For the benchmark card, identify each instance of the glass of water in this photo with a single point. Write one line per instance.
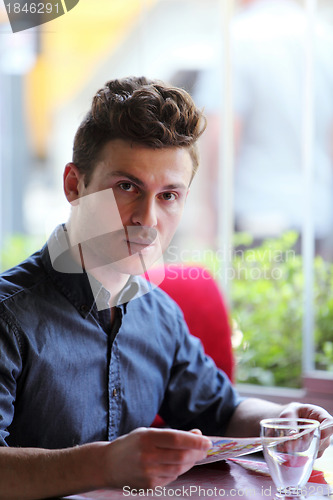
(290, 448)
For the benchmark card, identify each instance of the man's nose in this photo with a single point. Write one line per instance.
(145, 212)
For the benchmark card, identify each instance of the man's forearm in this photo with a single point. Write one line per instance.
(245, 420)
(32, 473)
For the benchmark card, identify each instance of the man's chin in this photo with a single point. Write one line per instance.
(136, 264)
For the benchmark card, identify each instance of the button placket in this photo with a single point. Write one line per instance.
(114, 393)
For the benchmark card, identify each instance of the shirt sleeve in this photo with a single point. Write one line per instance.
(10, 368)
(198, 394)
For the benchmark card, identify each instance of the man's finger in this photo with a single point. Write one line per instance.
(180, 440)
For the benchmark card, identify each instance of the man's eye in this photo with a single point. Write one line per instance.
(126, 186)
(169, 196)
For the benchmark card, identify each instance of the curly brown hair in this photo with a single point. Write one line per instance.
(138, 110)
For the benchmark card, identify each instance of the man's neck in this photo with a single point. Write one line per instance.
(111, 279)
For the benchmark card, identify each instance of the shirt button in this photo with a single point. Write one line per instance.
(84, 308)
(114, 393)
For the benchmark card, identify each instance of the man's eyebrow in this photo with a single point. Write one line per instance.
(139, 182)
(131, 177)
(170, 187)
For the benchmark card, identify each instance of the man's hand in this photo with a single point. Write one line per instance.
(245, 420)
(147, 457)
(300, 410)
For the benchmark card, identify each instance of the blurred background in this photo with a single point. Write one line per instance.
(260, 212)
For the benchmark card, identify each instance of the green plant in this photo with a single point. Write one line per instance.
(323, 334)
(268, 305)
(267, 297)
(16, 248)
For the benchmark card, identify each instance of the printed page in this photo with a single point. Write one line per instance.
(224, 448)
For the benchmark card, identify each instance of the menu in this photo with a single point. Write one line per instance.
(224, 448)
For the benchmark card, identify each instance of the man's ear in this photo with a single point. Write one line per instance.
(72, 178)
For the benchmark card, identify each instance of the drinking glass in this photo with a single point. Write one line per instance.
(290, 447)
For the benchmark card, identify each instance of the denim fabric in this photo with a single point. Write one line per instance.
(67, 377)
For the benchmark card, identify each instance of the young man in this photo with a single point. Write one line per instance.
(89, 353)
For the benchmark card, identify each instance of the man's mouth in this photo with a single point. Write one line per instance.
(135, 246)
(135, 242)
(143, 243)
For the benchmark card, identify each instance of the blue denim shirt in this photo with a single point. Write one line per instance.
(67, 377)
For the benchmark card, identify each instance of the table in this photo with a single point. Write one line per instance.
(225, 479)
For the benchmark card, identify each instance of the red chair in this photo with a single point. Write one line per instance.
(197, 294)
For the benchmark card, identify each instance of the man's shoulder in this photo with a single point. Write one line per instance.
(22, 277)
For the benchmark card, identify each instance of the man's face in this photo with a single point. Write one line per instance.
(130, 210)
